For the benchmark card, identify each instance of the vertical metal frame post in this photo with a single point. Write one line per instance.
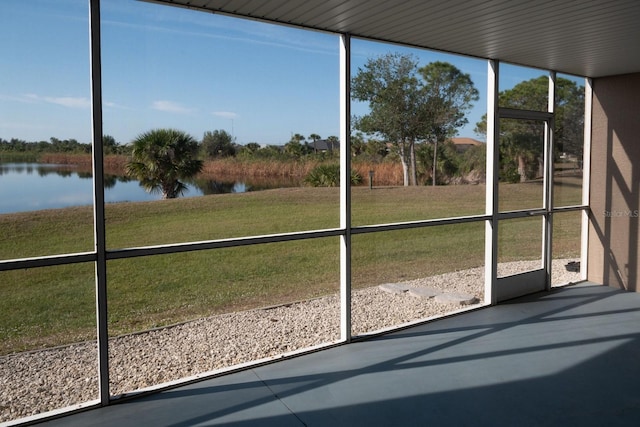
(98, 202)
(586, 178)
(345, 187)
(547, 229)
(491, 197)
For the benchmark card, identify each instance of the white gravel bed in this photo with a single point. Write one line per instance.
(39, 381)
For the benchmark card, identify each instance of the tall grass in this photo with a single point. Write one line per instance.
(113, 164)
(17, 157)
(385, 173)
(232, 167)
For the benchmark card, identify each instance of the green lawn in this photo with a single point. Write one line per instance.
(55, 305)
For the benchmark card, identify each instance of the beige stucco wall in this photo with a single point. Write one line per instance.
(615, 182)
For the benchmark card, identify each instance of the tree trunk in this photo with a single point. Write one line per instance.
(522, 168)
(412, 159)
(405, 166)
(540, 167)
(435, 162)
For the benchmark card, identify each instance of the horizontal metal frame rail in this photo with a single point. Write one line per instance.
(513, 113)
(53, 260)
(47, 261)
(74, 258)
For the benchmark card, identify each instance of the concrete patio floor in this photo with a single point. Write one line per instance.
(569, 357)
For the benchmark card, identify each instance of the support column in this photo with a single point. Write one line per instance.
(586, 178)
(98, 202)
(491, 202)
(547, 236)
(345, 187)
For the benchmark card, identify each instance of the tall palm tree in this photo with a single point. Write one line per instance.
(162, 158)
(314, 137)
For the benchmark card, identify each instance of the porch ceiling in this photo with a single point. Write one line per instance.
(591, 38)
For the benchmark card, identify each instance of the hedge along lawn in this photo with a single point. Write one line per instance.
(55, 305)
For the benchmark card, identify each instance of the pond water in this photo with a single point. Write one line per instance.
(35, 186)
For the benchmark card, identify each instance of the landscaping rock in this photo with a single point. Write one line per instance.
(456, 297)
(394, 288)
(424, 292)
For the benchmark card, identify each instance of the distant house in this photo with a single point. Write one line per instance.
(463, 144)
(325, 145)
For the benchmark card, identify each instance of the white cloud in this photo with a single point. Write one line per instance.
(65, 101)
(225, 114)
(170, 107)
(110, 104)
(68, 101)
(30, 97)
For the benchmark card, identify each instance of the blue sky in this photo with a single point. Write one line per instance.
(169, 67)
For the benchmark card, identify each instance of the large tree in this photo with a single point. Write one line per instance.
(449, 94)
(161, 159)
(391, 87)
(218, 143)
(408, 104)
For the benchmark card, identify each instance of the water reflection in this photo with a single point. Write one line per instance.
(35, 186)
